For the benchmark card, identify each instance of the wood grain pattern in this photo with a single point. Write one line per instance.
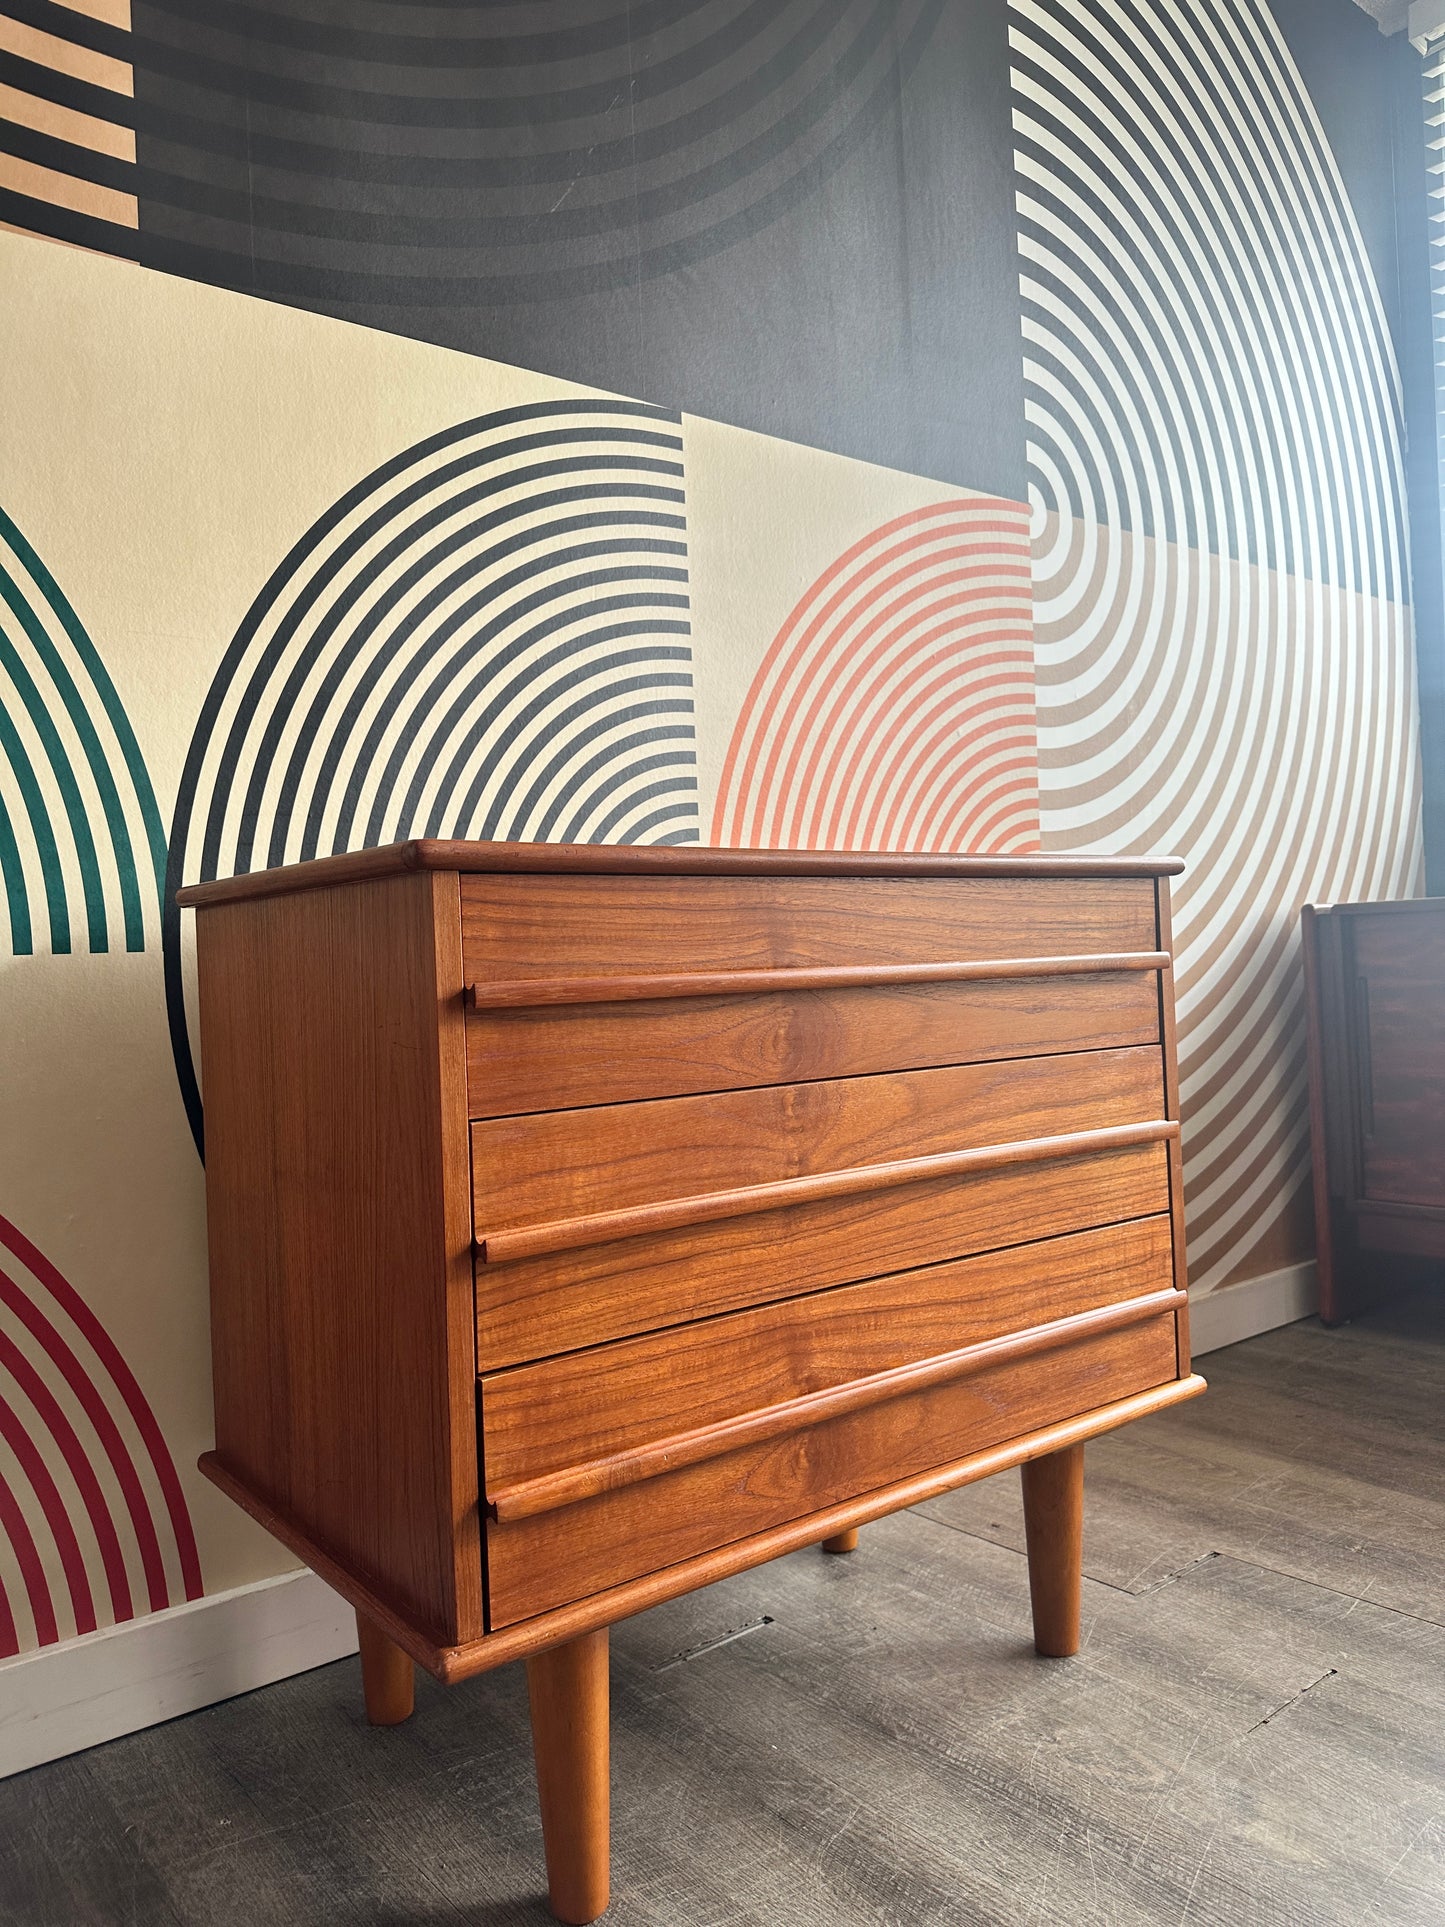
(1400, 969)
(533, 994)
(554, 1490)
(540, 1564)
(591, 859)
(388, 1675)
(370, 1335)
(570, 1055)
(516, 928)
(567, 1688)
(342, 1310)
(1164, 937)
(452, 1664)
(1331, 1279)
(1053, 1494)
(558, 1302)
(547, 1166)
(592, 1405)
(1376, 1027)
(1418, 1232)
(708, 1207)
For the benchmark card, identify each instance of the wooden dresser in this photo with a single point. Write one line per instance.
(1375, 997)
(589, 1223)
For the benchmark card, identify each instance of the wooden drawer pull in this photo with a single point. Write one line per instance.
(565, 1487)
(637, 1221)
(742, 983)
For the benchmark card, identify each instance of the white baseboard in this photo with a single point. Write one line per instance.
(65, 1698)
(1230, 1313)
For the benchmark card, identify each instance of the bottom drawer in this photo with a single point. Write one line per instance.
(551, 1558)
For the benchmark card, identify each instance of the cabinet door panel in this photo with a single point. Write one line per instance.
(1400, 1044)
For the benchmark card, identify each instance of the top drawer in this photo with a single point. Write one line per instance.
(597, 990)
(549, 927)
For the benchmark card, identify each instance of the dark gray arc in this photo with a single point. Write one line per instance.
(377, 612)
(579, 712)
(1326, 540)
(532, 108)
(521, 754)
(371, 527)
(381, 608)
(442, 679)
(602, 435)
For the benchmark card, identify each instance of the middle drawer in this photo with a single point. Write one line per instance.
(550, 1166)
(590, 1420)
(552, 1275)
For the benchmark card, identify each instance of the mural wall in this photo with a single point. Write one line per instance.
(829, 424)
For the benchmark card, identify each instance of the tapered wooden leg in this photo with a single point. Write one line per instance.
(1054, 1530)
(842, 1541)
(388, 1675)
(568, 1690)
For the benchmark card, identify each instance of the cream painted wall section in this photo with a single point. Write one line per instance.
(202, 433)
(164, 444)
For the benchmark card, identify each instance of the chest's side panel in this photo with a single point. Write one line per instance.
(336, 1185)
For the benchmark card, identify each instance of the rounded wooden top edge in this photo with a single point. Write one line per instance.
(1368, 906)
(604, 859)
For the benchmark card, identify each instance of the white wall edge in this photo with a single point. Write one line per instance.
(1230, 1313)
(64, 1698)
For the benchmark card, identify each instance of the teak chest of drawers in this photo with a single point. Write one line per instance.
(589, 1223)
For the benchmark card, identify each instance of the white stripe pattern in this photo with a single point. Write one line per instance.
(1223, 653)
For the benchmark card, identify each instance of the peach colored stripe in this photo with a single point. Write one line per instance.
(884, 758)
(890, 745)
(789, 729)
(968, 628)
(832, 702)
(67, 124)
(64, 57)
(767, 692)
(949, 737)
(734, 786)
(60, 190)
(828, 701)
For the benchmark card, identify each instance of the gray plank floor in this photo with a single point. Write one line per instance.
(1254, 1731)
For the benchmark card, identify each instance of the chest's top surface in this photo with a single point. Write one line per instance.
(595, 859)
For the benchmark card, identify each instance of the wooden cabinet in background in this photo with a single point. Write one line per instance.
(1375, 991)
(587, 1224)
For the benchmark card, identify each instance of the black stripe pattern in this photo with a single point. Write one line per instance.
(521, 153)
(487, 637)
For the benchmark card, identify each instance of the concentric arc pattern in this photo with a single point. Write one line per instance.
(894, 709)
(94, 1527)
(512, 155)
(488, 637)
(82, 845)
(1222, 647)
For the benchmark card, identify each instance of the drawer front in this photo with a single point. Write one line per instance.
(549, 1167)
(547, 928)
(533, 1307)
(641, 1396)
(562, 1055)
(551, 1558)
